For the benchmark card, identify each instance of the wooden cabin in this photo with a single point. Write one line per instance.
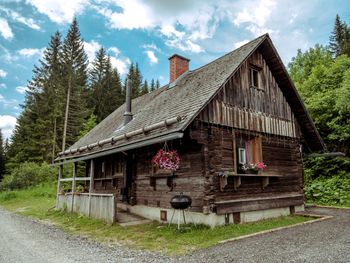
(240, 108)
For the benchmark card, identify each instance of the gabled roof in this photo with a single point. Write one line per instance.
(177, 104)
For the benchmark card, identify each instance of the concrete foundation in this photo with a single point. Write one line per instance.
(211, 219)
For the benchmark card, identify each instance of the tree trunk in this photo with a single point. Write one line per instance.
(66, 116)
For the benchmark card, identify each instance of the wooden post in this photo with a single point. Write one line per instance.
(92, 168)
(73, 184)
(58, 184)
(234, 155)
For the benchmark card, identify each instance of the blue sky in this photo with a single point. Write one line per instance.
(148, 32)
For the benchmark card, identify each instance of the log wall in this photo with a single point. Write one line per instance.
(281, 155)
(157, 189)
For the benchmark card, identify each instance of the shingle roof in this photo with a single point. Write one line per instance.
(185, 98)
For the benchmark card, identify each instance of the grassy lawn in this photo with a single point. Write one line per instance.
(39, 201)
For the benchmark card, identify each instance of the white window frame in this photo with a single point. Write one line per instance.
(242, 156)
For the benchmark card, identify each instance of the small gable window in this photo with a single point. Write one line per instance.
(254, 78)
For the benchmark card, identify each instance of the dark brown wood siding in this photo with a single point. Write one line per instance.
(262, 109)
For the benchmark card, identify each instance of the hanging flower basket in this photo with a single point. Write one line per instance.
(166, 160)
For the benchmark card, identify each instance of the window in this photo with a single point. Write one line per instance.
(117, 165)
(242, 156)
(249, 151)
(254, 78)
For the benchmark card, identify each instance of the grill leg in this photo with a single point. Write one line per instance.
(178, 220)
(183, 214)
(171, 220)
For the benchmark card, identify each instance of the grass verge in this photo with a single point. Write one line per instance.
(36, 203)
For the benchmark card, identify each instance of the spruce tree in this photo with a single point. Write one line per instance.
(157, 84)
(35, 136)
(153, 85)
(105, 86)
(339, 41)
(50, 101)
(144, 88)
(135, 76)
(75, 80)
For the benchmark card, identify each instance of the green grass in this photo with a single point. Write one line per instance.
(37, 203)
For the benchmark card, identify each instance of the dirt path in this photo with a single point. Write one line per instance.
(325, 241)
(25, 240)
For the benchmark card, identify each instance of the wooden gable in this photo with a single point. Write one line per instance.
(261, 108)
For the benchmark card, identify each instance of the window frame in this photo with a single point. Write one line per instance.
(252, 149)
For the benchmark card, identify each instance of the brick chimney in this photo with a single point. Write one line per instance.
(178, 66)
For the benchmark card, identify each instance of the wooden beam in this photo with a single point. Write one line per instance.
(92, 170)
(234, 152)
(76, 179)
(58, 184)
(73, 184)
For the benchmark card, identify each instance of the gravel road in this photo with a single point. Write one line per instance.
(25, 240)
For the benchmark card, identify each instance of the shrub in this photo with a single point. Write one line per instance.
(329, 191)
(28, 174)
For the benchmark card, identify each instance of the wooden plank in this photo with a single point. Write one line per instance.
(234, 152)
(235, 206)
(58, 184)
(76, 179)
(73, 184)
(92, 172)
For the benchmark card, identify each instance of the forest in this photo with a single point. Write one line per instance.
(67, 97)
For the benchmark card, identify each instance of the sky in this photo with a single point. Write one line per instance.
(149, 31)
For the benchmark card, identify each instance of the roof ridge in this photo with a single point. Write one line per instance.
(266, 35)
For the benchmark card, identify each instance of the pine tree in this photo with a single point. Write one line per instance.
(50, 101)
(135, 76)
(153, 85)
(339, 41)
(35, 136)
(105, 86)
(2, 157)
(157, 84)
(88, 125)
(75, 80)
(144, 88)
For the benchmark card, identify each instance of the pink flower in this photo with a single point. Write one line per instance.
(166, 160)
(260, 165)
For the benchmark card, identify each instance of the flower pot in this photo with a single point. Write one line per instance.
(251, 171)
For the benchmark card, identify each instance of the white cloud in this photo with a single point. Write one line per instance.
(7, 124)
(27, 21)
(240, 43)
(17, 17)
(135, 15)
(120, 64)
(151, 56)
(8, 103)
(91, 48)
(186, 45)
(256, 16)
(151, 46)
(114, 50)
(182, 24)
(60, 11)
(21, 89)
(3, 86)
(5, 29)
(30, 52)
(3, 73)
